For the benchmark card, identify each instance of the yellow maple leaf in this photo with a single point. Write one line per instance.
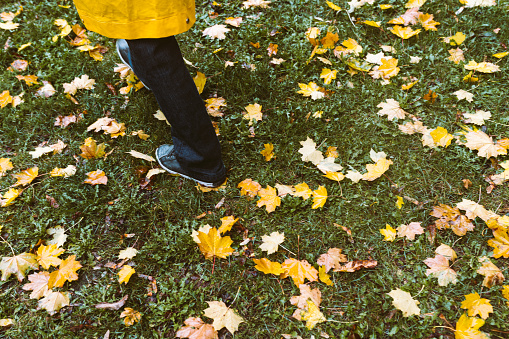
(385, 6)
(328, 75)
(125, 274)
(468, 328)
(456, 55)
(333, 6)
(28, 79)
(299, 270)
(409, 85)
(404, 32)
(223, 316)
(455, 40)
(372, 23)
(54, 301)
(312, 316)
(96, 178)
(213, 245)
(131, 316)
(414, 3)
(388, 232)
(470, 78)
(505, 293)
(199, 80)
(311, 34)
(311, 90)
(267, 152)
(389, 68)
(500, 243)
(268, 267)
(404, 302)
(249, 187)
(329, 40)
(269, 198)
(441, 137)
(319, 197)
(303, 190)
(323, 276)
(483, 67)
(376, 170)
(91, 150)
(27, 176)
(475, 305)
(9, 197)
(352, 46)
(427, 21)
(47, 256)
(227, 223)
(399, 202)
(500, 55)
(5, 165)
(19, 265)
(253, 112)
(336, 176)
(66, 272)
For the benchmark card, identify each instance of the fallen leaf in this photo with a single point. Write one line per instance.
(439, 268)
(500, 244)
(388, 232)
(468, 328)
(271, 242)
(47, 256)
(404, 302)
(312, 316)
(410, 230)
(216, 31)
(331, 259)
(356, 265)
(300, 270)
(249, 187)
(269, 198)
(253, 112)
(213, 245)
(267, 152)
(392, 109)
(319, 197)
(141, 156)
(196, 329)
(223, 316)
(66, 272)
(54, 301)
(492, 274)
(113, 306)
(19, 265)
(128, 253)
(96, 178)
(446, 251)
(38, 285)
(59, 236)
(125, 274)
(26, 177)
(475, 305)
(131, 316)
(268, 267)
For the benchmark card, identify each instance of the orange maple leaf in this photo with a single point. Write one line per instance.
(299, 270)
(269, 198)
(66, 272)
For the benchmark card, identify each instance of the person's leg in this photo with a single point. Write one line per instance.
(158, 63)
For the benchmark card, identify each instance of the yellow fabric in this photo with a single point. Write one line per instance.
(137, 19)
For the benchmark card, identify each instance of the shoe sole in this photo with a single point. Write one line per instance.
(203, 183)
(127, 64)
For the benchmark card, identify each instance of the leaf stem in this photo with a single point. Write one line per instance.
(286, 249)
(5, 241)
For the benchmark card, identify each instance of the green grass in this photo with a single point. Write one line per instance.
(163, 216)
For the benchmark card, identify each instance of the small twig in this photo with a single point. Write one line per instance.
(5, 241)
(286, 249)
(449, 328)
(392, 182)
(298, 247)
(213, 264)
(75, 224)
(349, 17)
(343, 322)
(480, 192)
(282, 290)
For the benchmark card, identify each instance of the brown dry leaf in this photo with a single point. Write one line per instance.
(356, 265)
(96, 178)
(19, 265)
(25, 177)
(439, 268)
(196, 329)
(113, 306)
(492, 274)
(331, 259)
(38, 285)
(272, 49)
(213, 245)
(300, 270)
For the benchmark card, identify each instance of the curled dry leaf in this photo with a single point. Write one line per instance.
(113, 306)
(356, 265)
(131, 316)
(96, 178)
(492, 274)
(26, 177)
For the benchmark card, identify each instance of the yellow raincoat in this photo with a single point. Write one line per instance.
(136, 19)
